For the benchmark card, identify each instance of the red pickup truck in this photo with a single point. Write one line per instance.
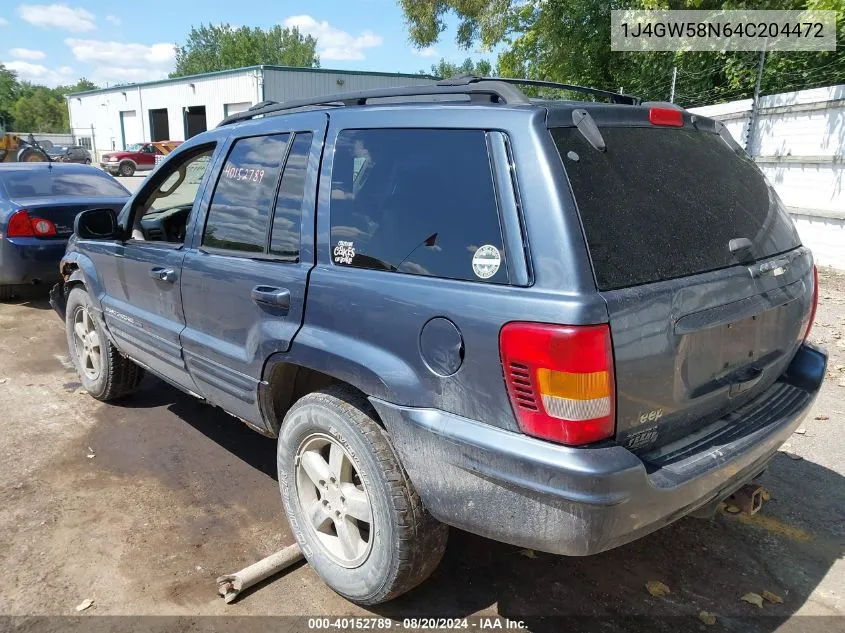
(136, 157)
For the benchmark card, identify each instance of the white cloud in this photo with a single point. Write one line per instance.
(58, 16)
(124, 62)
(37, 73)
(332, 43)
(26, 53)
(3, 21)
(125, 54)
(428, 51)
(113, 19)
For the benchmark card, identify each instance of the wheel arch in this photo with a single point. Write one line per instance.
(78, 270)
(285, 381)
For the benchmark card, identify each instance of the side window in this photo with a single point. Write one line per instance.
(163, 215)
(420, 202)
(239, 214)
(287, 219)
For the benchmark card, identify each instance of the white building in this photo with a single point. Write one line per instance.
(177, 109)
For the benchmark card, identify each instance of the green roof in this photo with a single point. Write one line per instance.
(233, 71)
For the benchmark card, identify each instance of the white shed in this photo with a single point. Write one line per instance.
(176, 109)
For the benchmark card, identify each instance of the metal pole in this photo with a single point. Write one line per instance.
(674, 78)
(94, 145)
(755, 103)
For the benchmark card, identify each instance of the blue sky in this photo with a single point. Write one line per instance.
(110, 42)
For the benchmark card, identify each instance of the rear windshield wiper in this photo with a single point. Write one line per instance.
(741, 247)
(588, 129)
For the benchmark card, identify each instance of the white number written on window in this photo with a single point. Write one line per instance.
(244, 174)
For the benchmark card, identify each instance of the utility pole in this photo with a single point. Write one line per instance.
(674, 78)
(755, 103)
(93, 145)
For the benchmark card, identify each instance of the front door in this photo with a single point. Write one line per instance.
(142, 305)
(147, 156)
(244, 279)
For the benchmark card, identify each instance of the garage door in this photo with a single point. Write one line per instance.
(130, 128)
(234, 108)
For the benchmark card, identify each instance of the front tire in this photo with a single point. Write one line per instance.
(354, 512)
(103, 371)
(127, 169)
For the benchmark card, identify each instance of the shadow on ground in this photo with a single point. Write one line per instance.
(708, 565)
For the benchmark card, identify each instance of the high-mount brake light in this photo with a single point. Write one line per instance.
(666, 116)
(560, 380)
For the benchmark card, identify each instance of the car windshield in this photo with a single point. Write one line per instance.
(57, 150)
(135, 147)
(53, 182)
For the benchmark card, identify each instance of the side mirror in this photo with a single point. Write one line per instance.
(96, 224)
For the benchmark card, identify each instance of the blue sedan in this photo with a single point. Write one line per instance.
(38, 204)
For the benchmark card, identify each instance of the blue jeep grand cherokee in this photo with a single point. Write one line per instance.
(558, 324)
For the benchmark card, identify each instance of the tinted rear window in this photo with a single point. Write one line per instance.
(416, 201)
(665, 203)
(36, 183)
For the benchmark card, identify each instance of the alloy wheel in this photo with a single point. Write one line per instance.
(333, 499)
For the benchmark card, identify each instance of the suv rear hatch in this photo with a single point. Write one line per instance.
(707, 286)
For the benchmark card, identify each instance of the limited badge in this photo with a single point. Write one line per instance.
(486, 261)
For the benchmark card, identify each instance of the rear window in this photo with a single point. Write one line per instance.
(419, 202)
(36, 183)
(665, 203)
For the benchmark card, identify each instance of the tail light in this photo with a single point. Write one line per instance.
(21, 224)
(812, 316)
(666, 116)
(560, 380)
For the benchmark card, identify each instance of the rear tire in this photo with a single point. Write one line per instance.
(398, 544)
(126, 169)
(103, 371)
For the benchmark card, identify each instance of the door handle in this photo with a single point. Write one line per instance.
(278, 297)
(163, 274)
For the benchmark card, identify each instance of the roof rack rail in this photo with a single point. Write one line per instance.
(489, 89)
(480, 89)
(615, 97)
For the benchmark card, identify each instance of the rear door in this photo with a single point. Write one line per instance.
(244, 279)
(707, 285)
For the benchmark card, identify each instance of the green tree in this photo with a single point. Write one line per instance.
(9, 87)
(40, 109)
(569, 41)
(83, 85)
(446, 69)
(221, 47)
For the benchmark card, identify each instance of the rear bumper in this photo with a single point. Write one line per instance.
(581, 501)
(26, 260)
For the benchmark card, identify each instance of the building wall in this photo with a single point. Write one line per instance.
(102, 109)
(285, 85)
(798, 140)
(221, 93)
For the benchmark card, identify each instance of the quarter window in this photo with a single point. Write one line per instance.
(420, 202)
(239, 214)
(287, 219)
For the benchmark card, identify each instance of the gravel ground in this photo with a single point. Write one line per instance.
(141, 505)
